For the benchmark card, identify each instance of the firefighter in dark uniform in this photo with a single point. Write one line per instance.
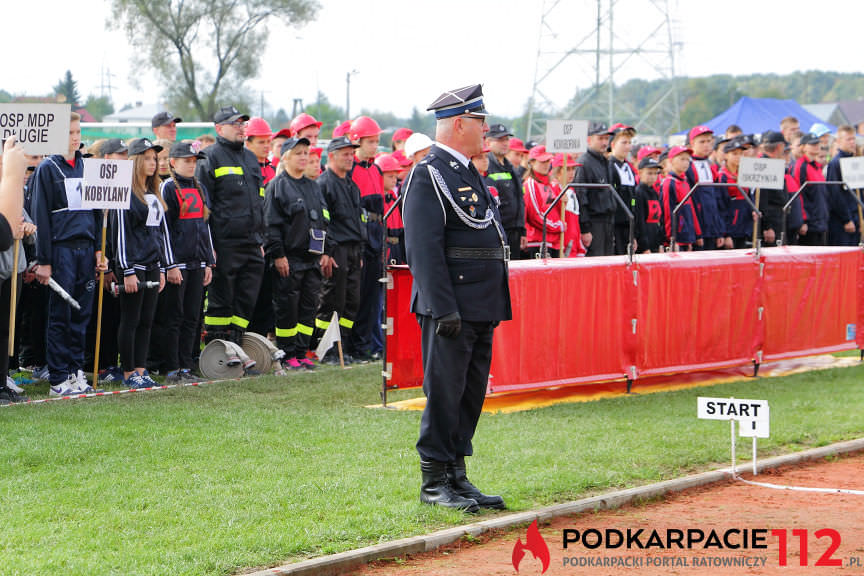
(296, 216)
(346, 234)
(456, 248)
(230, 172)
(508, 182)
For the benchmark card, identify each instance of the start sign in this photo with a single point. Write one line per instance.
(732, 409)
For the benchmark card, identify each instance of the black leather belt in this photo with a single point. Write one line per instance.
(496, 253)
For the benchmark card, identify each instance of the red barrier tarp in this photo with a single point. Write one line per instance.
(588, 320)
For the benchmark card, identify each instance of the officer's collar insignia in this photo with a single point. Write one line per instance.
(454, 164)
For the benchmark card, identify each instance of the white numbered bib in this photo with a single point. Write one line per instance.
(154, 210)
(74, 189)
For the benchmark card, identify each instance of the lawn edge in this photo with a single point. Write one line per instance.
(336, 564)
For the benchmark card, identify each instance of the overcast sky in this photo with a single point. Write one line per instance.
(406, 52)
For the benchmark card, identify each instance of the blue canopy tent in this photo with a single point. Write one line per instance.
(756, 115)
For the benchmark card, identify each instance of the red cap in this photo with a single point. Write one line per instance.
(647, 151)
(676, 150)
(342, 129)
(400, 157)
(387, 163)
(516, 145)
(315, 151)
(539, 153)
(698, 131)
(559, 161)
(284, 133)
(401, 135)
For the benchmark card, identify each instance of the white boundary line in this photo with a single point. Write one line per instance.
(801, 488)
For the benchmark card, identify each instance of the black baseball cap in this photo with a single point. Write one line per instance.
(340, 142)
(163, 118)
(141, 145)
(113, 146)
(772, 137)
(498, 131)
(809, 138)
(229, 114)
(595, 128)
(292, 143)
(186, 149)
(648, 162)
(737, 143)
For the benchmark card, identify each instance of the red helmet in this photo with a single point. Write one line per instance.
(342, 129)
(362, 127)
(258, 127)
(401, 134)
(400, 157)
(387, 163)
(302, 121)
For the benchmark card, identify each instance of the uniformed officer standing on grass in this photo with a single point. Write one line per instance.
(456, 249)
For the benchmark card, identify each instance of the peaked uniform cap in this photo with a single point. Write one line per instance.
(466, 100)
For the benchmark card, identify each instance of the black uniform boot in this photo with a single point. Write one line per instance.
(436, 488)
(460, 484)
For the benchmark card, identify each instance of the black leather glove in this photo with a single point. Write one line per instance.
(449, 326)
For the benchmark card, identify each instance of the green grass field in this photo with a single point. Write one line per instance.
(216, 479)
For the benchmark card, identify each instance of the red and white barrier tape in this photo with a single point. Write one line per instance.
(127, 391)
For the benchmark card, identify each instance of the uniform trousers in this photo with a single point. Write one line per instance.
(602, 236)
(177, 317)
(455, 377)
(234, 290)
(73, 265)
(295, 300)
(137, 312)
(341, 292)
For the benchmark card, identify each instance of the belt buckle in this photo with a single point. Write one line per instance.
(506, 253)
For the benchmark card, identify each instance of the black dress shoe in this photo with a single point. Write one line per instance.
(458, 479)
(436, 489)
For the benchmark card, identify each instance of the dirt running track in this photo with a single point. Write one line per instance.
(720, 507)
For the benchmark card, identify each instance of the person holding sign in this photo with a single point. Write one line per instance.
(539, 193)
(141, 246)
(65, 251)
(179, 309)
(773, 145)
(560, 176)
(296, 217)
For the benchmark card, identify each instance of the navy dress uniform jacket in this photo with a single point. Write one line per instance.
(476, 288)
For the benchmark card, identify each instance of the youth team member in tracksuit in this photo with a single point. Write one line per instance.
(186, 215)
(296, 219)
(139, 235)
(65, 251)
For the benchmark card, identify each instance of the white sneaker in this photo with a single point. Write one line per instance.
(10, 383)
(68, 387)
(81, 383)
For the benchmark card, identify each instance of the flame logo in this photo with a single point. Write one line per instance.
(535, 544)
